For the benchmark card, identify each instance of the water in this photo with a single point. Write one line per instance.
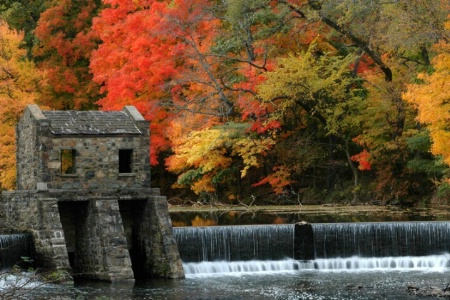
(282, 285)
(235, 243)
(13, 247)
(432, 263)
(381, 239)
(275, 242)
(244, 262)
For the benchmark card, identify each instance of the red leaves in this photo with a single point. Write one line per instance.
(363, 160)
(278, 180)
(65, 46)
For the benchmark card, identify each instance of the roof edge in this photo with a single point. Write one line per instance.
(132, 112)
(36, 112)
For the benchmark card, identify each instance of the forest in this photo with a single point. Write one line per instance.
(249, 102)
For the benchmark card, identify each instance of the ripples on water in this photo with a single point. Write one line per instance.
(349, 278)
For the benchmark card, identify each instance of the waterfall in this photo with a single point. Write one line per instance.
(323, 247)
(235, 243)
(437, 263)
(381, 239)
(13, 247)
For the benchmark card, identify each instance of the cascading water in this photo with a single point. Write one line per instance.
(235, 243)
(336, 247)
(381, 239)
(13, 247)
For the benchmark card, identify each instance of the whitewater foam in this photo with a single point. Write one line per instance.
(435, 263)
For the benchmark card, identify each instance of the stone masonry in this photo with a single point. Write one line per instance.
(83, 191)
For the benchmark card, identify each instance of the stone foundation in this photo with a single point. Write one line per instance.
(101, 235)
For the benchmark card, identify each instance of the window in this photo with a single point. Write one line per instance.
(68, 161)
(125, 160)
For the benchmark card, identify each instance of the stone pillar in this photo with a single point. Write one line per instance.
(303, 241)
(101, 246)
(161, 255)
(38, 214)
(48, 234)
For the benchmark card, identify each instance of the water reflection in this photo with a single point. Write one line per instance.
(211, 218)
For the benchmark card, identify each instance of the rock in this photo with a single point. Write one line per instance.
(432, 291)
(354, 287)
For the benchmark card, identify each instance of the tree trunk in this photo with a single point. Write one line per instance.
(355, 173)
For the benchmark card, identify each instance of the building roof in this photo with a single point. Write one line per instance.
(71, 122)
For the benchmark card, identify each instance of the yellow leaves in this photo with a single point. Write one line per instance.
(7, 157)
(19, 82)
(200, 158)
(202, 149)
(432, 100)
(320, 86)
(250, 150)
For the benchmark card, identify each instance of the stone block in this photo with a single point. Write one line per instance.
(41, 186)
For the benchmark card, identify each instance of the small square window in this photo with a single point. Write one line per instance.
(68, 161)
(125, 160)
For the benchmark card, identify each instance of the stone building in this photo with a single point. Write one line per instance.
(83, 191)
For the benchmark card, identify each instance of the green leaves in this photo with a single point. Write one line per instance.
(320, 88)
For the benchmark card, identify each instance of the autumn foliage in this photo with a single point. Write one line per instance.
(19, 86)
(432, 99)
(249, 99)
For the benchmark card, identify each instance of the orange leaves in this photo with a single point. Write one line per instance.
(433, 101)
(19, 86)
(7, 157)
(65, 45)
(199, 221)
(278, 180)
(152, 56)
(363, 160)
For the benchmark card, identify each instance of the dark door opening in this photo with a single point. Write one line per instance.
(73, 215)
(132, 213)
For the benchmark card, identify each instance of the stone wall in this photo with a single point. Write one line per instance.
(106, 232)
(97, 163)
(28, 139)
(37, 213)
(96, 156)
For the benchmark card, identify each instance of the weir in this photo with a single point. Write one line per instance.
(381, 239)
(342, 246)
(235, 243)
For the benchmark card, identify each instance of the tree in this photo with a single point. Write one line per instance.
(148, 44)
(63, 50)
(394, 38)
(23, 15)
(20, 84)
(230, 69)
(432, 99)
(210, 158)
(318, 91)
